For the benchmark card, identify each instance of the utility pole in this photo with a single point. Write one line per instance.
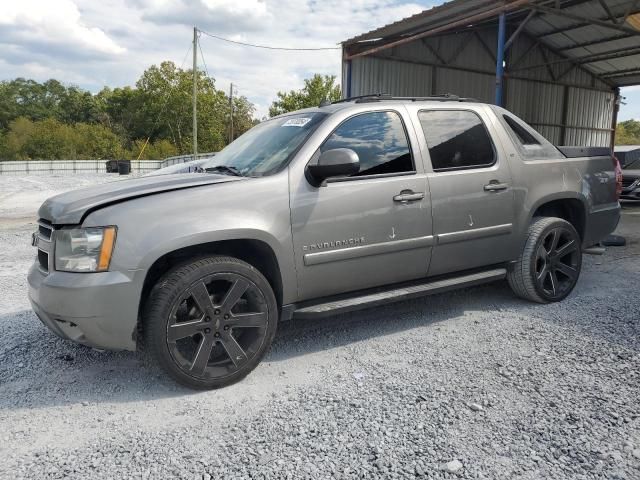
(195, 93)
(231, 113)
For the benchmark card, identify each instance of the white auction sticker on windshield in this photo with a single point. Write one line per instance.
(296, 122)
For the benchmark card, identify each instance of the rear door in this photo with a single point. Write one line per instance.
(471, 190)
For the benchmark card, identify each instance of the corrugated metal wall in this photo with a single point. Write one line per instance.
(465, 65)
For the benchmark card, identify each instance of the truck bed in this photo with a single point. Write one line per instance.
(575, 152)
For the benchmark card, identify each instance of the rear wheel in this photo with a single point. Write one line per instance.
(550, 263)
(210, 322)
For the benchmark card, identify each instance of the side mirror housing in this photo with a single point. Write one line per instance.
(338, 162)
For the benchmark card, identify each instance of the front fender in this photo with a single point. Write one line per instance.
(150, 227)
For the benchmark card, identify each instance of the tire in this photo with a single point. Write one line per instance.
(210, 322)
(549, 266)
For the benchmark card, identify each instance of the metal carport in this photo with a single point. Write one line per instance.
(558, 64)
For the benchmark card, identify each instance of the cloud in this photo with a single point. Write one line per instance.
(53, 26)
(111, 42)
(226, 16)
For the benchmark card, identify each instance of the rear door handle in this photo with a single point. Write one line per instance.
(407, 196)
(495, 187)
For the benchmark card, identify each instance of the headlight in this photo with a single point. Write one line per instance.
(84, 249)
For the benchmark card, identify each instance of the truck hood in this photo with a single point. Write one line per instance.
(71, 207)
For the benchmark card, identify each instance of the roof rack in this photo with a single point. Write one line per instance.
(377, 97)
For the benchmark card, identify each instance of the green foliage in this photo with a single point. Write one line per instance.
(153, 150)
(628, 133)
(52, 121)
(50, 139)
(316, 90)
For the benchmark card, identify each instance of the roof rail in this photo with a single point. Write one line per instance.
(376, 97)
(371, 97)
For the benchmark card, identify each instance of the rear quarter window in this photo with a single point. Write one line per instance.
(530, 143)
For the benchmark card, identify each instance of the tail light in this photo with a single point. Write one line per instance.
(618, 172)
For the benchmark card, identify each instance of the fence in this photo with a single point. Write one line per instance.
(47, 167)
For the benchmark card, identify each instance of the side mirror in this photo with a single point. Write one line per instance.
(338, 162)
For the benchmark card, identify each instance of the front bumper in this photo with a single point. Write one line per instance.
(95, 309)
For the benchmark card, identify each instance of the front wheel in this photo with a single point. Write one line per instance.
(209, 323)
(550, 263)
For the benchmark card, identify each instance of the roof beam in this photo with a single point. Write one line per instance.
(596, 42)
(566, 59)
(524, 55)
(490, 73)
(459, 50)
(547, 64)
(607, 10)
(515, 34)
(459, 23)
(485, 47)
(597, 57)
(433, 51)
(622, 73)
(569, 68)
(585, 21)
(613, 54)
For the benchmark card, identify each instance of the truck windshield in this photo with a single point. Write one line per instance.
(267, 147)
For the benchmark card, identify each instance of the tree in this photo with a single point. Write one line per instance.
(50, 120)
(628, 133)
(316, 89)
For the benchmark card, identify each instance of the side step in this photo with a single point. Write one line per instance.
(369, 300)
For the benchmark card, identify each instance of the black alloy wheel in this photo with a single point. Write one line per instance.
(209, 323)
(557, 262)
(549, 265)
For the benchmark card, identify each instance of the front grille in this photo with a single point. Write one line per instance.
(44, 229)
(43, 260)
(627, 182)
(45, 234)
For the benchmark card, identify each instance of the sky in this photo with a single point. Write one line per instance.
(97, 43)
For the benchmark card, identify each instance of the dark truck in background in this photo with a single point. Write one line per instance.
(315, 212)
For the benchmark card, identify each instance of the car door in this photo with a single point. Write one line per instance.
(471, 190)
(372, 228)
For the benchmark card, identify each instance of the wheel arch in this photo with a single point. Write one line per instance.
(257, 253)
(571, 208)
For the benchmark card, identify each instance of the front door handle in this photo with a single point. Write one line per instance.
(494, 186)
(407, 196)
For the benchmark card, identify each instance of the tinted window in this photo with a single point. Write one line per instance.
(379, 140)
(530, 143)
(523, 136)
(456, 139)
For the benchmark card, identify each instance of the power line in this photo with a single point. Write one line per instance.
(203, 60)
(267, 47)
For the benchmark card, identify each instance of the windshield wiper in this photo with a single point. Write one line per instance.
(225, 169)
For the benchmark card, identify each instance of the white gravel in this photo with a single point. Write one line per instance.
(468, 384)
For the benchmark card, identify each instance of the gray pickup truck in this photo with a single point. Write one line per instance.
(315, 212)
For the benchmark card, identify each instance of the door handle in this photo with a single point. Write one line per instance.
(494, 186)
(407, 196)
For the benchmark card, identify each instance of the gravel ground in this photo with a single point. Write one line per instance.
(468, 384)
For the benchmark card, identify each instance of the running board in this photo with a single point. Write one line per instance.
(395, 295)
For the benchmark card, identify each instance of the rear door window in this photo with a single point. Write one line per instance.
(457, 139)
